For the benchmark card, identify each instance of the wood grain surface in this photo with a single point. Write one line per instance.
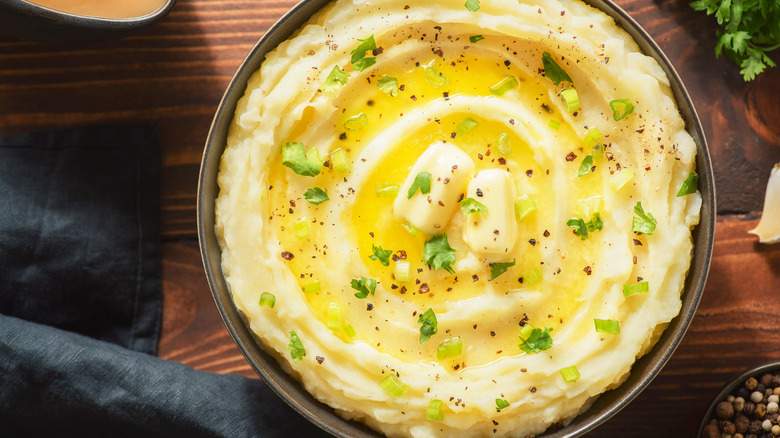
(173, 75)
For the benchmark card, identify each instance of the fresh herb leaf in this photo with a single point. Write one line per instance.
(582, 228)
(316, 195)
(585, 166)
(750, 29)
(471, 205)
(364, 286)
(472, 5)
(308, 163)
(644, 223)
(438, 253)
(335, 80)
(501, 404)
(297, 352)
(497, 269)
(388, 84)
(552, 70)
(364, 46)
(428, 325)
(538, 340)
(476, 38)
(423, 182)
(689, 185)
(383, 255)
(363, 64)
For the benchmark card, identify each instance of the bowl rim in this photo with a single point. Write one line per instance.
(30, 8)
(643, 371)
(729, 387)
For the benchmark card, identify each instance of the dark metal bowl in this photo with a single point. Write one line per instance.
(608, 404)
(29, 21)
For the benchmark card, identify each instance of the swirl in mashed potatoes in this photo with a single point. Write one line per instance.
(462, 219)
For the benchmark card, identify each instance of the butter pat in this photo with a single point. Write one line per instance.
(495, 232)
(450, 169)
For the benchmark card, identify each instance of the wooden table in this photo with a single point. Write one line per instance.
(173, 75)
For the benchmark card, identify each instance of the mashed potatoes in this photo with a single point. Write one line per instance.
(458, 220)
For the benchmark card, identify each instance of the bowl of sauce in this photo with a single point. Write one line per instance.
(79, 21)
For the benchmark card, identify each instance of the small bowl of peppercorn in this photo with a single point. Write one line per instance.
(748, 407)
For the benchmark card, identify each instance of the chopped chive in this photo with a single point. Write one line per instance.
(401, 271)
(356, 122)
(434, 411)
(501, 404)
(620, 179)
(636, 288)
(339, 160)
(335, 316)
(471, 205)
(554, 124)
(302, 228)
(312, 287)
(689, 185)
(393, 386)
(349, 330)
(610, 326)
(572, 99)
(504, 85)
(411, 229)
(621, 108)
(552, 70)
(465, 126)
(644, 222)
(591, 137)
(452, 347)
(570, 374)
(597, 152)
(423, 182)
(476, 38)
(267, 299)
(504, 144)
(524, 206)
(435, 78)
(386, 190)
(531, 277)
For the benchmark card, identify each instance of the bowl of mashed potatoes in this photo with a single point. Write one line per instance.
(444, 219)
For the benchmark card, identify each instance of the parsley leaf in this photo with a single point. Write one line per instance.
(363, 64)
(581, 228)
(297, 352)
(689, 185)
(307, 163)
(552, 70)
(364, 286)
(475, 38)
(471, 205)
(501, 404)
(383, 255)
(585, 166)
(438, 253)
(497, 269)
(335, 80)
(360, 51)
(316, 195)
(645, 223)
(750, 29)
(429, 326)
(423, 182)
(388, 84)
(472, 5)
(538, 340)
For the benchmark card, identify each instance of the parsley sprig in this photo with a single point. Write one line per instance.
(537, 340)
(438, 253)
(751, 28)
(428, 325)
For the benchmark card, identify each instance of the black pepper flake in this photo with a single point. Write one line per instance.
(529, 172)
(501, 161)
(507, 63)
(291, 210)
(369, 307)
(475, 277)
(320, 359)
(452, 135)
(492, 333)
(424, 288)
(480, 156)
(413, 97)
(532, 389)
(634, 259)
(371, 234)
(571, 156)
(546, 233)
(403, 290)
(441, 203)
(377, 51)
(587, 270)
(479, 193)
(637, 242)
(343, 136)
(532, 242)
(287, 255)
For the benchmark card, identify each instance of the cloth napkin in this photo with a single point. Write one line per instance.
(80, 301)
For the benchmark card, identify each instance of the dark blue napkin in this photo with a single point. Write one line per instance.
(80, 301)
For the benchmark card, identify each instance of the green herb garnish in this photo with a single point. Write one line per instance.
(471, 205)
(435, 78)
(423, 182)
(297, 352)
(363, 64)
(636, 288)
(553, 71)
(644, 223)
(472, 5)
(316, 195)
(609, 326)
(364, 286)
(447, 348)
(335, 80)
(306, 163)
(501, 404)
(476, 38)
(434, 411)
(621, 108)
(356, 122)
(438, 253)
(570, 374)
(267, 299)
(428, 325)
(581, 228)
(388, 84)
(393, 386)
(383, 255)
(689, 185)
(535, 339)
(364, 46)
(465, 126)
(497, 269)
(585, 166)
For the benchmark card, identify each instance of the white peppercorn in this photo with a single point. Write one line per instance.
(771, 407)
(756, 397)
(773, 398)
(766, 425)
